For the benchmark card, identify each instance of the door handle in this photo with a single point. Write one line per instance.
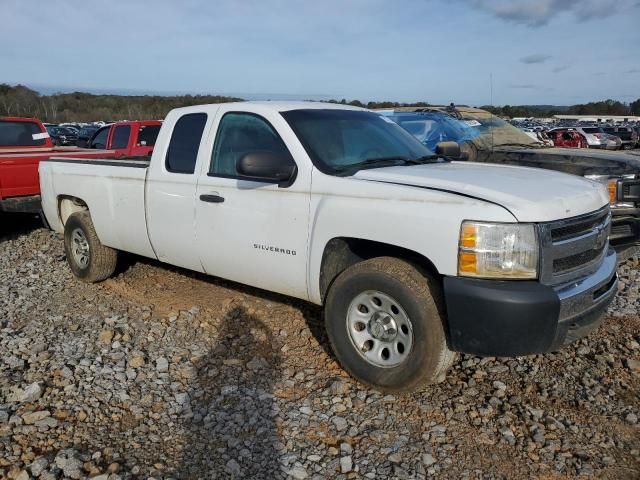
(212, 198)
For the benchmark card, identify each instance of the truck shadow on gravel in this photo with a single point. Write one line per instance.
(14, 225)
(313, 314)
(229, 428)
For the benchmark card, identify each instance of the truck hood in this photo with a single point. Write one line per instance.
(581, 161)
(530, 194)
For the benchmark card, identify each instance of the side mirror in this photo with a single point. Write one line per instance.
(268, 167)
(449, 149)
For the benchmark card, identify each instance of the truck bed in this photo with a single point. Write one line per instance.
(133, 162)
(112, 189)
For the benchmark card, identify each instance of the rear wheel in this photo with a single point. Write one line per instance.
(385, 326)
(88, 259)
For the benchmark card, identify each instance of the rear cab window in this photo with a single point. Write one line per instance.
(21, 134)
(147, 135)
(185, 143)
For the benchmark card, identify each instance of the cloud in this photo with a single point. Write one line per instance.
(535, 58)
(524, 86)
(560, 68)
(633, 70)
(536, 13)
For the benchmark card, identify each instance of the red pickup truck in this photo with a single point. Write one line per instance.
(127, 139)
(24, 143)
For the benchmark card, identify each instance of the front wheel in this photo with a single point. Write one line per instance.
(88, 259)
(385, 325)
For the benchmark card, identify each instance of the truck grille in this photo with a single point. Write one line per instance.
(630, 190)
(574, 247)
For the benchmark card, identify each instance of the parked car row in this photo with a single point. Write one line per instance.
(609, 137)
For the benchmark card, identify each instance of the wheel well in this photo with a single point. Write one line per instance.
(342, 252)
(68, 206)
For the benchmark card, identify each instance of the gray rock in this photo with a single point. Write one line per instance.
(71, 466)
(340, 423)
(428, 459)
(233, 467)
(162, 365)
(38, 466)
(346, 464)
(299, 473)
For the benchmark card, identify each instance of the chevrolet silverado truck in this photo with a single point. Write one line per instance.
(483, 137)
(413, 257)
(24, 143)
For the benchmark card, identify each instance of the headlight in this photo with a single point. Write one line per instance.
(498, 250)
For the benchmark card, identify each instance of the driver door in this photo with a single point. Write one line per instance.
(249, 230)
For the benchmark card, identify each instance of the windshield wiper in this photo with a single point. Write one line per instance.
(373, 163)
(431, 159)
(347, 170)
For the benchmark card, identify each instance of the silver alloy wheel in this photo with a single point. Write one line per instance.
(80, 248)
(379, 329)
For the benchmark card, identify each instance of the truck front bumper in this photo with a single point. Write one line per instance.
(512, 318)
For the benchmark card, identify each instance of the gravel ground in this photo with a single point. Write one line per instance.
(163, 373)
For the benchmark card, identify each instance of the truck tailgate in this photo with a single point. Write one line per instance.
(113, 190)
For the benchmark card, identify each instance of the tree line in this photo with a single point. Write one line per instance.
(20, 101)
(604, 107)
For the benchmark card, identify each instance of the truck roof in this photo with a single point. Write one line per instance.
(20, 119)
(272, 106)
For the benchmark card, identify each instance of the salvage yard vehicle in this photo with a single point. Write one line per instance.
(24, 143)
(85, 134)
(62, 135)
(627, 135)
(414, 257)
(566, 138)
(127, 139)
(483, 137)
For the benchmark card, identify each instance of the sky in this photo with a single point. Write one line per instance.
(473, 52)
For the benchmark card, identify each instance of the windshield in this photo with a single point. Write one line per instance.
(337, 140)
(495, 132)
(432, 128)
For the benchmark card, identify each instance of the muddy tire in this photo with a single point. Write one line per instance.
(384, 322)
(88, 259)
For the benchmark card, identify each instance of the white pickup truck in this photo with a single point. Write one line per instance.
(414, 257)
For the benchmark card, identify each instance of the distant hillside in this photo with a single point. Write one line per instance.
(85, 107)
(604, 107)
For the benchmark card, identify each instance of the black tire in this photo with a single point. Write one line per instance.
(101, 261)
(419, 296)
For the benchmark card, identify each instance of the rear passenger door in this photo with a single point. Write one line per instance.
(170, 195)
